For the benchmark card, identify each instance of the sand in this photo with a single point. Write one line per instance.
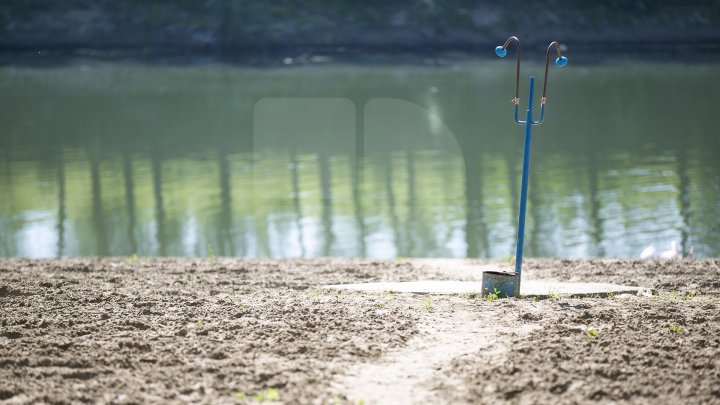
(228, 330)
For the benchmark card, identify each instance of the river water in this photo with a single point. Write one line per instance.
(120, 158)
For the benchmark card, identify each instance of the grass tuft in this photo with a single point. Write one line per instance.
(133, 258)
(388, 301)
(554, 295)
(590, 331)
(211, 252)
(493, 295)
(268, 395)
(427, 306)
(676, 328)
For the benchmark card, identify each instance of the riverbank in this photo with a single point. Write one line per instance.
(227, 330)
(259, 25)
(292, 56)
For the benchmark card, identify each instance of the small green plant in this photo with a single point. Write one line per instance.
(200, 322)
(553, 295)
(389, 298)
(590, 331)
(314, 294)
(428, 306)
(676, 328)
(133, 258)
(611, 294)
(240, 395)
(689, 295)
(211, 252)
(492, 296)
(400, 260)
(361, 402)
(268, 395)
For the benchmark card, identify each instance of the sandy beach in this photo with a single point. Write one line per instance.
(128, 330)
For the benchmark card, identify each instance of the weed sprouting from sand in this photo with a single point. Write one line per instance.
(553, 295)
(388, 301)
(200, 322)
(211, 252)
(133, 258)
(400, 260)
(689, 295)
(492, 296)
(590, 331)
(314, 294)
(361, 402)
(268, 395)
(427, 305)
(676, 328)
(611, 294)
(240, 395)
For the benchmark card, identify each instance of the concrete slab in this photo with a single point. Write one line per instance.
(528, 288)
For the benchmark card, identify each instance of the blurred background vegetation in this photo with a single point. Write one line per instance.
(261, 24)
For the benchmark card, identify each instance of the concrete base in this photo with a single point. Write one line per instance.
(501, 284)
(528, 288)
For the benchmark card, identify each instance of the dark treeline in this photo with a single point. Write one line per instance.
(257, 24)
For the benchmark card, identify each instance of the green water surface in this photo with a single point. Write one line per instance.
(116, 158)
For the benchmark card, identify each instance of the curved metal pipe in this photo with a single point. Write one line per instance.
(560, 59)
(507, 43)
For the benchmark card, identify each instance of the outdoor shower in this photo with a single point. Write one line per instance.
(504, 283)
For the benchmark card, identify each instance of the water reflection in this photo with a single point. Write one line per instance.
(225, 221)
(296, 200)
(129, 201)
(98, 214)
(157, 183)
(596, 232)
(60, 226)
(683, 199)
(326, 203)
(357, 185)
(427, 164)
(476, 231)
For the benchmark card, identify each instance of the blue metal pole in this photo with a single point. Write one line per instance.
(524, 186)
